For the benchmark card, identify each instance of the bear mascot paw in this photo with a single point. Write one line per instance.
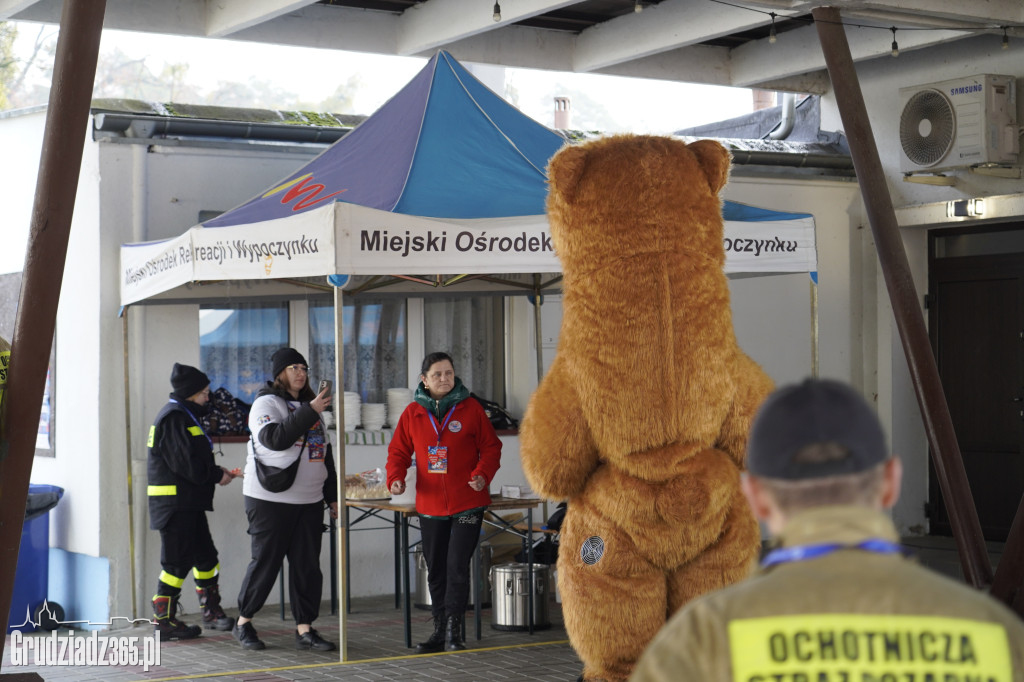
(641, 422)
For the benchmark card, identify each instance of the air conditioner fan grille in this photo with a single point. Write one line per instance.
(930, 148)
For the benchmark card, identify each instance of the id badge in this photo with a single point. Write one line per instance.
(437, 459)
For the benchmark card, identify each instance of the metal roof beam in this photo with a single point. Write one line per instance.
(798, 52)
(224, 17)
(428, 26)
(331, 28)
(667, 26)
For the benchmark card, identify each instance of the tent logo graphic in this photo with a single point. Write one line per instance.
(308, 195)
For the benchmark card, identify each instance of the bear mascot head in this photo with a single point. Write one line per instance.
(641, 421)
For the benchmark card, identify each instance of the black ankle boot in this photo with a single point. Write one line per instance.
(435, 642)
(453, 634)
(214, 617)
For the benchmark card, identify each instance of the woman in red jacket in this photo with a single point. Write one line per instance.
(457, 455)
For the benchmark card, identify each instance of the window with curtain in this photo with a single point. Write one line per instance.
(375, 351)
(235, 345)
(471, 329)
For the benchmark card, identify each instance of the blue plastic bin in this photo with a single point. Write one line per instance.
(33, 572)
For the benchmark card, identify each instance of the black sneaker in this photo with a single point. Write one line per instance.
(246, 634)
(313, 640)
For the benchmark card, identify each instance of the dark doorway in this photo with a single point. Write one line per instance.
(976, 323)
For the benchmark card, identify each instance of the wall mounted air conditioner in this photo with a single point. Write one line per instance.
(959, 123)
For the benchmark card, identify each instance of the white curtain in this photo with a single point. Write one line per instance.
(470, 329)
(374, 364)
(235, 345)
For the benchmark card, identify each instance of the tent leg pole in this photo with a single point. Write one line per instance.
(899, 282)
(540, 349)
(537, 328)
(339, 431)
(815, 348)
(128, 462)
(74, 71)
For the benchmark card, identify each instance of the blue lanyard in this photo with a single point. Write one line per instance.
(433, 422)
(786, 555)
(195, 421)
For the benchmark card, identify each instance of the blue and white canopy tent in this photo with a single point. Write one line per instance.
(446, 178)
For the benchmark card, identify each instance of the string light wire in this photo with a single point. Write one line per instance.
(772, 36)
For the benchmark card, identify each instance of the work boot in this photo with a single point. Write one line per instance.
(214, 617)
(453, 634)
(169, 627)
(435, 642)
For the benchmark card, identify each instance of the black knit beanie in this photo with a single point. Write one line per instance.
(284, 357)
(186, 381)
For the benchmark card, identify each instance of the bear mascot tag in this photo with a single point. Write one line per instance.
(641, 422)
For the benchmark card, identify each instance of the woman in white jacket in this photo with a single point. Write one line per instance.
(286, 430)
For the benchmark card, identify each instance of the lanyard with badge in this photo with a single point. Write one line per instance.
(787, 555)
(194, 421)
(437, 455)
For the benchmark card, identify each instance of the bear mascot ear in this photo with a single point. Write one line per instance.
(714, 160)
(565, 170)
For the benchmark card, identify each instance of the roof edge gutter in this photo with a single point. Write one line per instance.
(760, 158)
(148, 127)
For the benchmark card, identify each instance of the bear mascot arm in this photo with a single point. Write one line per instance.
(752, 385)
(561, 453)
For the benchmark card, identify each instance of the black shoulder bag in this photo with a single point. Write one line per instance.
(276, 479)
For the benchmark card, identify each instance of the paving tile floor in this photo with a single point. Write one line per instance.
(376, 651)
(377, 648)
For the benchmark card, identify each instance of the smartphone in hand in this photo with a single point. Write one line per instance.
(325, 383)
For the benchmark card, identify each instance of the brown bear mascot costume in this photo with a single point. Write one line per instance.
(641, 422)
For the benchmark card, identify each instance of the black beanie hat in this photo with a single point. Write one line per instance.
(187, 381)
(284, 357)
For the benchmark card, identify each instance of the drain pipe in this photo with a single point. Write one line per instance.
(785, 126)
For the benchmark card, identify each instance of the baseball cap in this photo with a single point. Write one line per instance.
(812, 412)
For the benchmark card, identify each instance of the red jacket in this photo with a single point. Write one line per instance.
(473, 449)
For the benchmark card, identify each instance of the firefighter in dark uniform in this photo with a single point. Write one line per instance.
(182, 477)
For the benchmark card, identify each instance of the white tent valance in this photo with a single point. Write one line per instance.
(343, 238)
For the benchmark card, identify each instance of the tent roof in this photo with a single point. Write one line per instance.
(445, 146)
(446, 178)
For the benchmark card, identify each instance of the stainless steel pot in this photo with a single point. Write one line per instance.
(510, 589)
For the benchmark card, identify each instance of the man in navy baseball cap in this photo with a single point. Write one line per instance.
(815, 414)
(835, 593)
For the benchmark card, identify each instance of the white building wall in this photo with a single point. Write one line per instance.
(23, 143)
(77, 380)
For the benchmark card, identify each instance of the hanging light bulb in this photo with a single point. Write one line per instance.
(1006, 41)
(895, 47)
(638, 7)
(771, 32)
(497, 12)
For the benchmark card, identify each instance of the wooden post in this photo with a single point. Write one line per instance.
(924, 373)
(67, 118)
